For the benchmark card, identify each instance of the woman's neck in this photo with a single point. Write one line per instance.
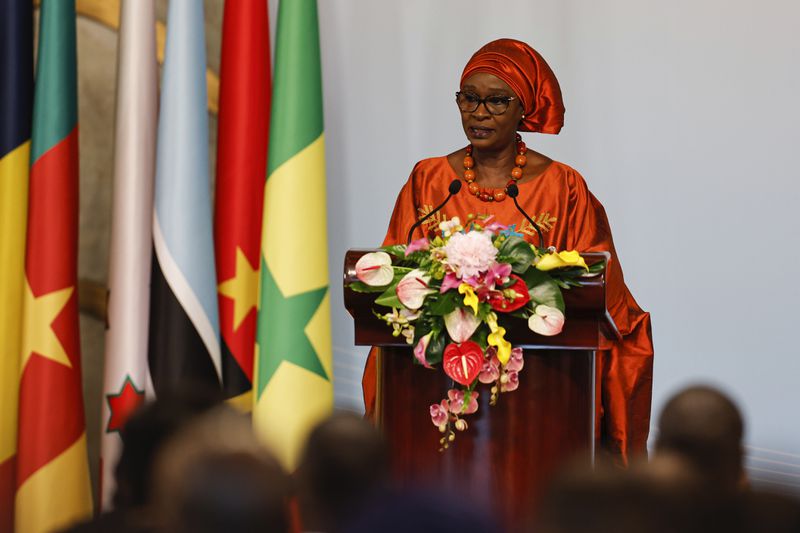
(493, 167)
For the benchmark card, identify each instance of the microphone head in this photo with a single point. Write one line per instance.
(455, 186)
(512, 190)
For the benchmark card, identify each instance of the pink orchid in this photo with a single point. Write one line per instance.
(516, 361)
(490, 371)
(511, 384)
(415, 246)
(449, 282)
(474, 281)
(419, 350)
(461, 324)
(439, 413)
(495, 228)
(375, 269)
(498, 272)
(456, 402)
(413, 289)
(546, 320)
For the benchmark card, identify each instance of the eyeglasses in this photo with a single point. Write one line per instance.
(495, 105)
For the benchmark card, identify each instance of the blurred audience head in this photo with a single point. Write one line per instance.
(344, 462)
(659, 497)
(213, 476)
(145, 433)
(704, 427)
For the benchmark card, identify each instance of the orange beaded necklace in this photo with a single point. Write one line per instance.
(493, 195)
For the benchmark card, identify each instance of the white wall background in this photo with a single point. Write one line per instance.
(681, 115)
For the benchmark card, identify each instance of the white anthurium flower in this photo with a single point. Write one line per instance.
(375, 269)
(546, 320)
(414, 288)
(461, 324)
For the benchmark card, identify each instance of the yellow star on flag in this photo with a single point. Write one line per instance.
(242, 288)
(38, 316)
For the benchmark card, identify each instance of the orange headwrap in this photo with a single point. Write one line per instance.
(527, 73)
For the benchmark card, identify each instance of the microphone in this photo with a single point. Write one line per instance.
(454, 187)
(513, 191)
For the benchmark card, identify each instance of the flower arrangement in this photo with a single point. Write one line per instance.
(449, 297)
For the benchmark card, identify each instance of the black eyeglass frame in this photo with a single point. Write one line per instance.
(506, 99)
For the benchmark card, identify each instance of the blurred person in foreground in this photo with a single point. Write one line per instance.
(143, 435)
(344, 463)
(664, 496)
(215, 477)
(703, 426)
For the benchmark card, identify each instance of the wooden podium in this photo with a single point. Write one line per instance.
(505, 458)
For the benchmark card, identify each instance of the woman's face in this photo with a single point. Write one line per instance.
(484, 130)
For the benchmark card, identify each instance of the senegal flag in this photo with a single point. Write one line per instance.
(293, 385)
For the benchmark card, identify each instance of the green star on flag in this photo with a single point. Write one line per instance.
(284, 335)
(294, 312)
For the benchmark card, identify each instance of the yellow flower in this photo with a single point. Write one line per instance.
(470, 298)
(560, 260)
(497, 339)
(491, 321)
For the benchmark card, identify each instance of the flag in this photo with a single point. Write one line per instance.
(184, 327)
(241, 168)
(294, 388)
(16, 91)
(53, 486)
(131, 231)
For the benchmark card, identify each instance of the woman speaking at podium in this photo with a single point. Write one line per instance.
(508, 87)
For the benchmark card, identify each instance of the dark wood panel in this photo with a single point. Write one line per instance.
(509, 452)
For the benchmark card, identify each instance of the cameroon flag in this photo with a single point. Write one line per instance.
(16, 90)
(52, 467)
(293, 385)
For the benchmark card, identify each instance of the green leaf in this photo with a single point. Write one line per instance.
(534, 277)
(435, 349)
(397, 250)
(517, 252)
(389, 298)
(481, 336)
(547, 292)
(442, 304)
(597, 267)
(358, 286)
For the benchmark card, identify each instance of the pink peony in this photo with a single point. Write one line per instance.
(470, 254)
(439, 414)
(456, 402)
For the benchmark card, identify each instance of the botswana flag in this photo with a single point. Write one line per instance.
(184, 331)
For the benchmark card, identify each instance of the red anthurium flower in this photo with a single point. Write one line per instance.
(511, 298)
(463, 362)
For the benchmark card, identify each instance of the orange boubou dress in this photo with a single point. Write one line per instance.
(571, 218)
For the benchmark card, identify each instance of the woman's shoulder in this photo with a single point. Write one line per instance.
(433, 169)
(565, 175)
